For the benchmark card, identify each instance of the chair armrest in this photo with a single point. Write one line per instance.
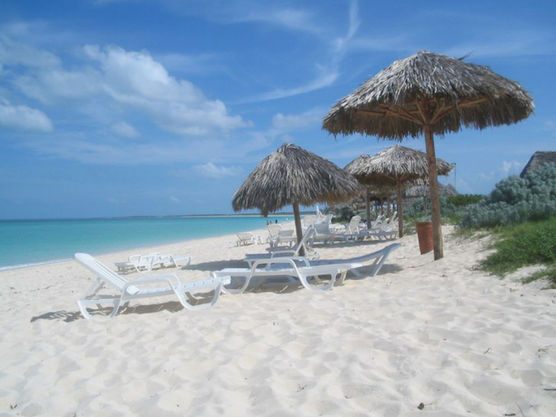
(283, 252)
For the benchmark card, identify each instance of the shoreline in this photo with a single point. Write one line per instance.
(423, 336)
(130, 246)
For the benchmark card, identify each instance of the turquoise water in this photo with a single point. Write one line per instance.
(28, 242)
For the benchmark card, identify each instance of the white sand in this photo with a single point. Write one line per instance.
(439, 334)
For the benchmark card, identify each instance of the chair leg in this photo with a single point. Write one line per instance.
(216, 285)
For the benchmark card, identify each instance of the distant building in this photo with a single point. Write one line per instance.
(538, 160)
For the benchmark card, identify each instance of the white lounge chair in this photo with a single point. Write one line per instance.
(139, 263)
(141, 288)
(276, 252)
(386, 230)
(273, 230)
(354, 225)
(145, 263)
(323, 234)
(378, 256)
(167, 260)
(247, 238)
(311, 277)
(285, 238)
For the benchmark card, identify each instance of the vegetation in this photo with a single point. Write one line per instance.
(521, 212)
(530, 243)
(516, 200)
(463, 200)
(452, 208)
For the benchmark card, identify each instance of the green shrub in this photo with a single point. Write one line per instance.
(526, 244)
(463, 200)
(516, 200)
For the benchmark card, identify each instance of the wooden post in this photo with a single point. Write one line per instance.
(435, 200)
(298, 228)
(368, 198)
(400, 208)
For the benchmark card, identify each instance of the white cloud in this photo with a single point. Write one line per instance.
(17, 53)
(326, 78)
(245, 11)
(124, 130)
(511, 168)
(297, 121)
(136, 80)
(294, 19)
(55, 84)
(24, 118)
(174, 199)
(126, 81)
(212, 171)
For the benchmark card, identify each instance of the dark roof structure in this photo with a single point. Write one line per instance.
(538, 160)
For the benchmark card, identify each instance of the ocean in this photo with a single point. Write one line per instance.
(30, 242)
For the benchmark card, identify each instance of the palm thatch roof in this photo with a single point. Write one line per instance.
(294, 175)
(429, 94)
(457, 93)
(422, 190)
(397, 163)
(538, 160)
(394, 167)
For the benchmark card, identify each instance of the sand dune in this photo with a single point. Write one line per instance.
(422, 338)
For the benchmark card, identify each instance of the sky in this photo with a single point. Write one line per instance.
(114, 108)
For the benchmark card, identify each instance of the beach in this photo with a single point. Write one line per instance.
(422, 338)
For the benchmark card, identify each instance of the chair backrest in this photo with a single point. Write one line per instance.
(322, 228)
(304, 242)
(353, 225)
(245, 236)
(273, 229)
(285, 233)
(101, 270)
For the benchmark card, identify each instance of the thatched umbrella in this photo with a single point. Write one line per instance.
(394, 166)
(429, 94)
(292, 175)
(422, 189)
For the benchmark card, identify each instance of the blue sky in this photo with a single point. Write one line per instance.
(138, 107)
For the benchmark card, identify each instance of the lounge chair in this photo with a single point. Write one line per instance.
(273, 230)
(308, 275)
(285, 238)
(139, 263)
(354, 225)
(385, 230)
(247, 238)
(145, 263)
(323, 234)
(280, 252)
(378, 256)
(167, 260)
(141, 288)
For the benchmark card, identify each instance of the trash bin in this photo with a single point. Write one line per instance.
(424, 234)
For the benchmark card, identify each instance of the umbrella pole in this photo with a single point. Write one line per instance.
(298, 229)
(368, 198)
(435, 200)
(400, 208)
